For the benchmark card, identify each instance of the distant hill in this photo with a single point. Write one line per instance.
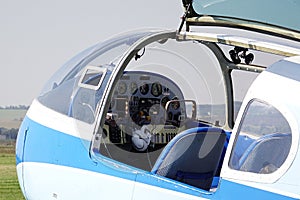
(11, 118)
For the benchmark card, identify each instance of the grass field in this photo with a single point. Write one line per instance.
(9, 185)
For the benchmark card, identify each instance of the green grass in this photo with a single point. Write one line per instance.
(9, 185)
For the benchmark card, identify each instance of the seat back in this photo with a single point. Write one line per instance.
(193, 156)
(267, 154)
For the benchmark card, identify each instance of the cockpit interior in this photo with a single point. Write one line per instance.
(146, 112)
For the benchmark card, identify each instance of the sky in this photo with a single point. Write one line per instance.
(38, 37)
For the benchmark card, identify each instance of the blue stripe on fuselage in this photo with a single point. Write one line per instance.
(45, 145)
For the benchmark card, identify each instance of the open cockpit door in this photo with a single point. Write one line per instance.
(272, 17)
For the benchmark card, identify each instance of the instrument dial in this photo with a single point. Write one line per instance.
(156, 89)
(176, 104)
(133, 87)
(154, 109)
(122, 87)
(164, 101)
(144, 89)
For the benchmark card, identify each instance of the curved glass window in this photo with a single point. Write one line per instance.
(263, 142)
(272, 12)
(78, 86)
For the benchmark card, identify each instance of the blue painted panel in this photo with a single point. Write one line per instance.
(46, 145)
(20, 140)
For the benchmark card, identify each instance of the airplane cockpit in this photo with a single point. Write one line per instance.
(155, 99)
(208, 112)
(158, 94)
(152, 102)
(146, 111)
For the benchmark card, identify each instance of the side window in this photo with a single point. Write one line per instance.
(264, 140)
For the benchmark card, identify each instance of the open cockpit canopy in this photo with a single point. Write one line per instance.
(274, 17)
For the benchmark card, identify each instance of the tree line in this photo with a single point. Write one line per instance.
(12, 107)
(8, 134)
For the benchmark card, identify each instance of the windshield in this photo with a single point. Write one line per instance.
(77, 87)
(272, 12)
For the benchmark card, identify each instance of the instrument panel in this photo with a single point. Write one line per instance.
(140, 98)
(143, 97)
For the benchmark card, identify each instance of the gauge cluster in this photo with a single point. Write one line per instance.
(143, 96)
(140, 98)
